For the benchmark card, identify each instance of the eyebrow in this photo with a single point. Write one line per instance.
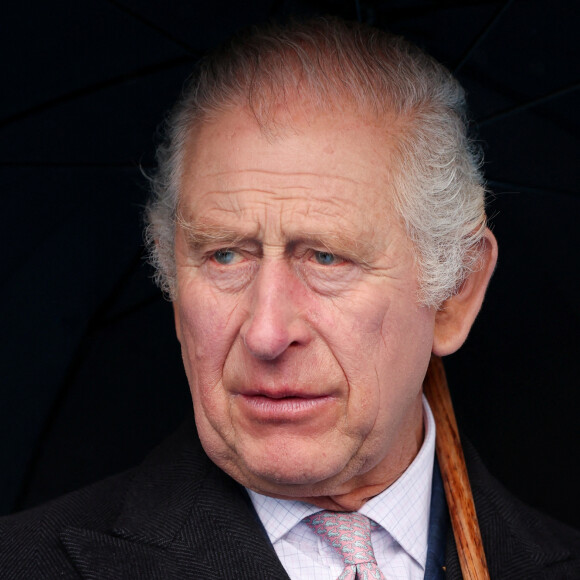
(200, 236)
(203, 234)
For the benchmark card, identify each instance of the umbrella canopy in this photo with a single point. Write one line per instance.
(91, 374)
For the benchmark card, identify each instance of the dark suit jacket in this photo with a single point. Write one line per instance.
(179, 516)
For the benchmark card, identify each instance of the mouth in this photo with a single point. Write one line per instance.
(283, 407)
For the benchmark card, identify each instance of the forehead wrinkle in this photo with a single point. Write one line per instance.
(329, 207)
(277, 202)
(283, 174)
(241, 190)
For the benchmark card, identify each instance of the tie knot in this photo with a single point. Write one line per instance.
(349, 533)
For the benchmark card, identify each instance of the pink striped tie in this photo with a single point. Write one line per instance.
(349, 533)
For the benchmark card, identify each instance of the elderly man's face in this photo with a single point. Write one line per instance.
(296, 307)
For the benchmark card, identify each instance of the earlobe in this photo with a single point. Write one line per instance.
(454, 319)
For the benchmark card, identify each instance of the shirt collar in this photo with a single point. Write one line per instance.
(402, 509)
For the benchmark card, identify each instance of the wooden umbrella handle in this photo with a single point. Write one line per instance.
(454, 475)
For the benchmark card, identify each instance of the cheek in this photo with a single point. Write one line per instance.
(208, 326)
(383, 346)
(352, 330)
(407, 338)
(208, 329)
(407, 333)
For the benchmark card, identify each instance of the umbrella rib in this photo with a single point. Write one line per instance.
(152, 299)
(358, 10)
(71, 164)
(89, 89)
(153, 26)
(482, 36)
(528, 105)
(71, 373)
(519, 188)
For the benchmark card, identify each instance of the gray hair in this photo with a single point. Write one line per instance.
(330, 64)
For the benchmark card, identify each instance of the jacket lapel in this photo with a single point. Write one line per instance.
(182, 518)
(100, 555)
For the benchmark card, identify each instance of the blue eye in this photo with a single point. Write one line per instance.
(224, 257)
(325, 258)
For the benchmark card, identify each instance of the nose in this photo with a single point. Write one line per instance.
(276, 318)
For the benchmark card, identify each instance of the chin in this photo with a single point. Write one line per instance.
(284, 464)
(295, 474)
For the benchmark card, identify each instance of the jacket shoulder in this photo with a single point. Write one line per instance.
(29, 541)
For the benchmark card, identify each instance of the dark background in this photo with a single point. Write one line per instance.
(90, 371)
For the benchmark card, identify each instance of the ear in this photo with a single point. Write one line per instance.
(456, 315)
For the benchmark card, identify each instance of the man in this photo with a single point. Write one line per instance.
(318, 223)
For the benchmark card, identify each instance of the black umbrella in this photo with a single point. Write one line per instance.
(91, 375)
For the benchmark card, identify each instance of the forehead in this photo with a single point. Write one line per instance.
(326, 169)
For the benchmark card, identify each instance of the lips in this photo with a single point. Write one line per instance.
(284, 405)
(280, 392)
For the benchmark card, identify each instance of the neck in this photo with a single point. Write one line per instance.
(348, 502)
